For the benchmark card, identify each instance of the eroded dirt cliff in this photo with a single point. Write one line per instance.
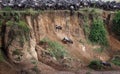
(28, 56)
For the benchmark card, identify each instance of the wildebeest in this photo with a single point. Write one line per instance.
(4, 3)
(60, 4)
(112, 5)
(20, 4)
(85, 3)
(106, 64)
(57, 27)
(99, 4)
(71, 8)
(74, 3)
(116, 6)
(67, 40)
(92, 3)
(50, 4)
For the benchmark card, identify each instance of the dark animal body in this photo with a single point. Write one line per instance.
(106, 64)
(59, 4)
(58, 27)
(67, 40)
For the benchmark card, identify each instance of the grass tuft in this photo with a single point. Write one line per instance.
(116, 60)
(1, 56)
(95, 64)
(55, 48)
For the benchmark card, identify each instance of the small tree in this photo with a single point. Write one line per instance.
(116, 24)
(98, 33)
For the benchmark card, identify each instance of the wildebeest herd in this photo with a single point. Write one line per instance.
(60, 4)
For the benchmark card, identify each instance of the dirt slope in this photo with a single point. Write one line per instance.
(44, 26)
(41, 26)
(115, 44)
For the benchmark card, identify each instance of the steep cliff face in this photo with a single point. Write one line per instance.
(26, 53)
(43, 26)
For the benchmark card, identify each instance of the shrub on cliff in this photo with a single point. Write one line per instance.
(55, 48)
(7, 8)
(23, 26)
(0, 23)
(116, 60)
(98, 33)
(1, 56)
(116, 24)
(95, 64)
(19, 29)
(9, 23)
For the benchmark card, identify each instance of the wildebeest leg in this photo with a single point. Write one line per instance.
(71, 12)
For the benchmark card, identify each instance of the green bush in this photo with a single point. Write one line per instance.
(23, 32)
(19, 29)
(30, 11)
(16, 52)
(44, 40)
(88, 72)
(98, 33)
(5, 15)
(95, 64)
(116, 24)
(86, 27)
(23, 26)
(16, 15)
(35, 69)
(1, 56)
(99, 50)
(0, 23)
(55, 49)
(7, 8)
(9, 23)
(116, 60)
